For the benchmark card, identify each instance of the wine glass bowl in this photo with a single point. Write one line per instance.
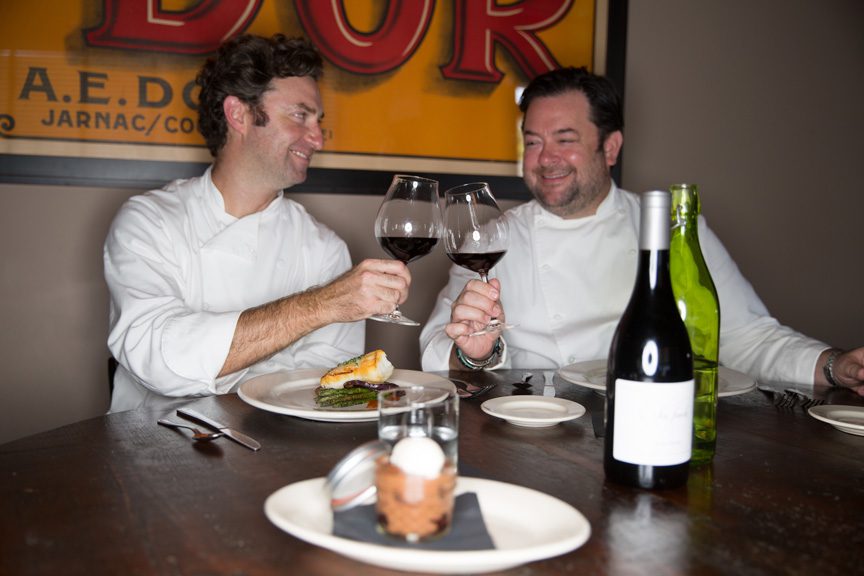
(407, 226)
(476, 234)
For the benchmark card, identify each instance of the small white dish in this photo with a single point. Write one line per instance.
(525, 525)
(592, 374)
(849, 419)
(533, 411)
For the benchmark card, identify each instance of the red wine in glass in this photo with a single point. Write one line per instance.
(408, 226)
(476, 234)
(407, 249)
(480, 263)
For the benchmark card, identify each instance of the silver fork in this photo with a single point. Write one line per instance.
(467, 390)
(779, 399)
(806, 401)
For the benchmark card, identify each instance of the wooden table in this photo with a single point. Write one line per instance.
(121, 495)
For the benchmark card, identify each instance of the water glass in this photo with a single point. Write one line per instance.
(420, 411)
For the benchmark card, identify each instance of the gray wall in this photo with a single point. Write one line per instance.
(760, 103)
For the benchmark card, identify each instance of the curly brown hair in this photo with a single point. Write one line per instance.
(245, 67)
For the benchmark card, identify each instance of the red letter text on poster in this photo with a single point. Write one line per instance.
(480, 25)
(144, 25)
(385, 48)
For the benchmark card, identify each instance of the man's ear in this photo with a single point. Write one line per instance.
(236, 114)
(612, 147)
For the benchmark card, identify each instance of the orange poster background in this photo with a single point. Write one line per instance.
(371, 121)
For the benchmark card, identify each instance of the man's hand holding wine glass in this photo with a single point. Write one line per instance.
(374, 286)
(407, 227)
(475, 307)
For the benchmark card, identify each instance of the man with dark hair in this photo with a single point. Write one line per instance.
(570, 268)
(219, 278)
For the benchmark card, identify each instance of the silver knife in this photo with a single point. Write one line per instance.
(238, 437)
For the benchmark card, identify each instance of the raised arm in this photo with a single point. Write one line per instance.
(371, 287)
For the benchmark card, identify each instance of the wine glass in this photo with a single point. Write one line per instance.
(407, 226)
(476, 234)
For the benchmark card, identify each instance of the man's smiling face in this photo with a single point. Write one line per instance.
(565, 165)
(285, 145)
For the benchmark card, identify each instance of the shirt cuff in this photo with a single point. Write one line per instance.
(195, 346)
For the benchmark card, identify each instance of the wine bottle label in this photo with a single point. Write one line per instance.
(653, 422)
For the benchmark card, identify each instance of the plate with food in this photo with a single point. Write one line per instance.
(525, 526)
(345, 393)
(592, 374)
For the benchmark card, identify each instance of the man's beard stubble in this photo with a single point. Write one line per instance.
(582, 194)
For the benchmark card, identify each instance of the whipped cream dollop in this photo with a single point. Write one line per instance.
(418, 456)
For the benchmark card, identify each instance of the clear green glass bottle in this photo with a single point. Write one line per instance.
(699, 306)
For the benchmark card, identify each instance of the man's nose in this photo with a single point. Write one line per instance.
(547, 156)
(315, 137)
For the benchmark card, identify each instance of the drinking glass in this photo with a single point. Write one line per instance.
(476, 234)
(407, 226)
(415, 480)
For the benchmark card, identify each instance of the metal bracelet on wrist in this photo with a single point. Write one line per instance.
(473, 364)
(828, 368)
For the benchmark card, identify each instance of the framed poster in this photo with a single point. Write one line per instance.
(102, 92)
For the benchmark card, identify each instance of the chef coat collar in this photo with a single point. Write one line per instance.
(217, 201)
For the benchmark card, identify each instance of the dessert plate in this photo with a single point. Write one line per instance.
(849, 419)
(533, 411)
(292, 393)
(592, 374)
(524, 524)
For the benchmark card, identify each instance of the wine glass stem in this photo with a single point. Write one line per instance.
(493, 322)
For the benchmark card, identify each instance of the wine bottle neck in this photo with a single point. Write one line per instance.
(654, 269)
(654, 226)
(687, 228)
(685, 200)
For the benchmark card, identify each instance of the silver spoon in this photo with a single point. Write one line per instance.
(196, 433)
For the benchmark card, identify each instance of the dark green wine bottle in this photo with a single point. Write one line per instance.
(649, 376)
(699, 307)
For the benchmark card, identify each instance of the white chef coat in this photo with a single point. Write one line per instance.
(181, 270)
(565, 283)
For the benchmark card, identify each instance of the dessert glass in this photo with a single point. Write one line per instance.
(416, 479)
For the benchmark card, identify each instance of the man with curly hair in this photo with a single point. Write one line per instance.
(219, 278)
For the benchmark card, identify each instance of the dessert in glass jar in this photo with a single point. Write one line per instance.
(415, 486)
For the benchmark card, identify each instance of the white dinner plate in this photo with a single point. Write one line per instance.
(849, 419)
(592, 374)
(291, 393)
(533, 411)
(524, 524)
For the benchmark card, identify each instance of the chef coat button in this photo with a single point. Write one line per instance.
(545, 267)
(557, 317)
(571, 359)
